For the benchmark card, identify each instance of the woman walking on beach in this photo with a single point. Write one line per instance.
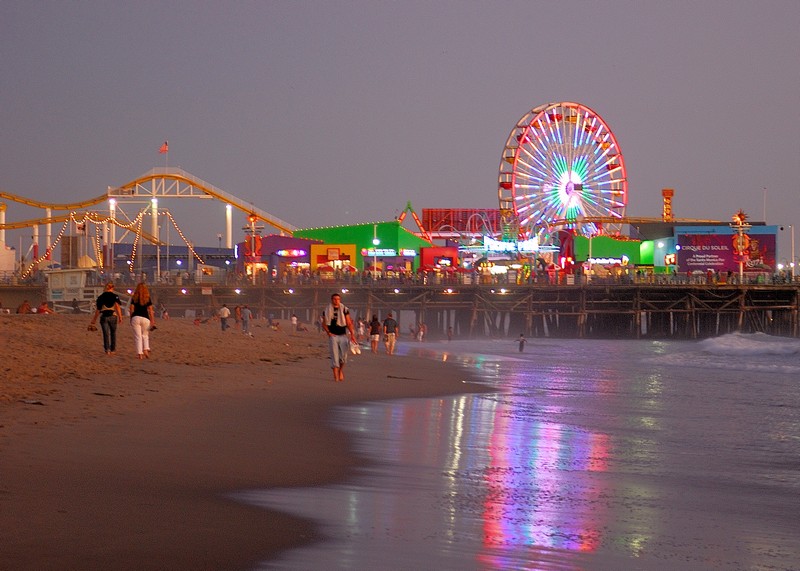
(109, 309)
(375, 328)
(142, 320)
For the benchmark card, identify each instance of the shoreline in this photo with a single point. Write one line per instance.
(131, 469)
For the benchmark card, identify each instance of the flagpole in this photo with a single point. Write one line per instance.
(165, 150)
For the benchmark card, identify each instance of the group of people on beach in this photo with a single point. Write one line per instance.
(108, 309)
(25, 307)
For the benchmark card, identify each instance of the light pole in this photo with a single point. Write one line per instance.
(158, 256)
(375, 242)
(791, 265)
(167, 228)
(155, 228)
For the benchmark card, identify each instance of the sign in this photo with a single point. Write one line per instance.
(291, 253)
(718, 252)
(378, 252)
(388, 252)
(492, 245)
(623, 261)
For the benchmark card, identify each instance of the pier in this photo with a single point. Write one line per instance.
(585, 311)
(632, 311)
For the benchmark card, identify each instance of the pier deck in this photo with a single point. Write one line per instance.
(688, 311)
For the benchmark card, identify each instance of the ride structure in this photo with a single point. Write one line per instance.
(423, 233)
(561, 161)
(141, 196)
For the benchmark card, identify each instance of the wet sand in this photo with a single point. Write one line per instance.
(107, 462)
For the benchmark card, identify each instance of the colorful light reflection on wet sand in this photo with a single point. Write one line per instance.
(592, 455)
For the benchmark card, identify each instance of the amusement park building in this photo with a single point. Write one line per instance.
(684, 248)
(396, 247)
(274, 254)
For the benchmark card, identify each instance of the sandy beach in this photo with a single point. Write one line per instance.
(108, 462)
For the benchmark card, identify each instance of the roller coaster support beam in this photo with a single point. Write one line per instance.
(48, 232)
(35, 239)
(112, 213)
(229, 226)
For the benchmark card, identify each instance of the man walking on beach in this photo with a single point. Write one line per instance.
(390, 333)
(246, 315)
(336, 322)
(224, 314)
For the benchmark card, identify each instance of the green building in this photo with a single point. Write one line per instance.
(396, 248)
(609, 248)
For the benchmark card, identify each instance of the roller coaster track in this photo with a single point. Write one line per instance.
(93, 216)
(159, 182)
(37, 204)
(177, 183)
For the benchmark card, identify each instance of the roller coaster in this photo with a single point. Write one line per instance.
(159, 182)
(172, 183)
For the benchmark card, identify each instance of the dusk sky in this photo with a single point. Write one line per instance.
(327, 113)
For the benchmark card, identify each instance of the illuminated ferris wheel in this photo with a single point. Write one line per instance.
(562, 164)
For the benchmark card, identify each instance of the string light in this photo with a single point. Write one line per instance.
(36, 262)
(98, 219)
(180, 233)
(98, 249)
(131, 266)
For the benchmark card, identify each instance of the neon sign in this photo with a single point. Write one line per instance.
(388, 252)
(492, 245)
(609, 261)
(291, 253)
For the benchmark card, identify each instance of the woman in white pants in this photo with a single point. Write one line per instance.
(142, 320)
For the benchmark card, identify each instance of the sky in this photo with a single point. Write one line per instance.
(340, 112)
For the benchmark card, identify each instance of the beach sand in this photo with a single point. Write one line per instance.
(108, 462)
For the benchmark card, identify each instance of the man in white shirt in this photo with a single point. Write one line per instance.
(224, 314)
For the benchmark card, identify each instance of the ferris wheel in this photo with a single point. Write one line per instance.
(562, 165)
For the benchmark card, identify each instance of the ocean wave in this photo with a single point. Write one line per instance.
(750, 344)
(754, 353)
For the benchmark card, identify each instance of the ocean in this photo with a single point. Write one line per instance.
(590, 455)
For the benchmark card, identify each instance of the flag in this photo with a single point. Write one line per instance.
(164, 148)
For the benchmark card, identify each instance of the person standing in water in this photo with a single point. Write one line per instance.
(521, 342)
